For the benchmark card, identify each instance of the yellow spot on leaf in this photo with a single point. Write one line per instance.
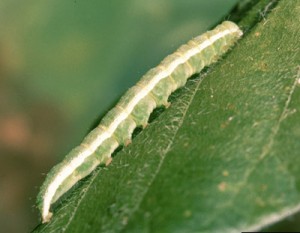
(225, 173)
(187, 213)
(222, 186)
(263, 66)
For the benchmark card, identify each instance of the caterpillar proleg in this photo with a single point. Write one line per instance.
(134, 109)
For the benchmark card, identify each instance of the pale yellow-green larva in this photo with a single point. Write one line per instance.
(134, 109)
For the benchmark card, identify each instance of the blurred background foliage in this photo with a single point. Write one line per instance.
(62, 65)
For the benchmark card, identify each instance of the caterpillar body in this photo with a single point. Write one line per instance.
(134, 109)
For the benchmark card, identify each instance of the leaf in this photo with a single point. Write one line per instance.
(222, 158)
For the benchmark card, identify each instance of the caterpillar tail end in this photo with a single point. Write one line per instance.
(233, 27)
(47, 217)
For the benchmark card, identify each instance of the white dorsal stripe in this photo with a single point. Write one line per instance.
(77, 161)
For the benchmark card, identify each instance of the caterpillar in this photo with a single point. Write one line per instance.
(133, 110)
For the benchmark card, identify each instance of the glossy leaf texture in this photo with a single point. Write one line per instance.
(224, 157)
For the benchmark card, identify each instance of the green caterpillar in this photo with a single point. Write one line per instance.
(134, 109)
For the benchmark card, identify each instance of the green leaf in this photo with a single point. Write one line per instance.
(222, 158)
